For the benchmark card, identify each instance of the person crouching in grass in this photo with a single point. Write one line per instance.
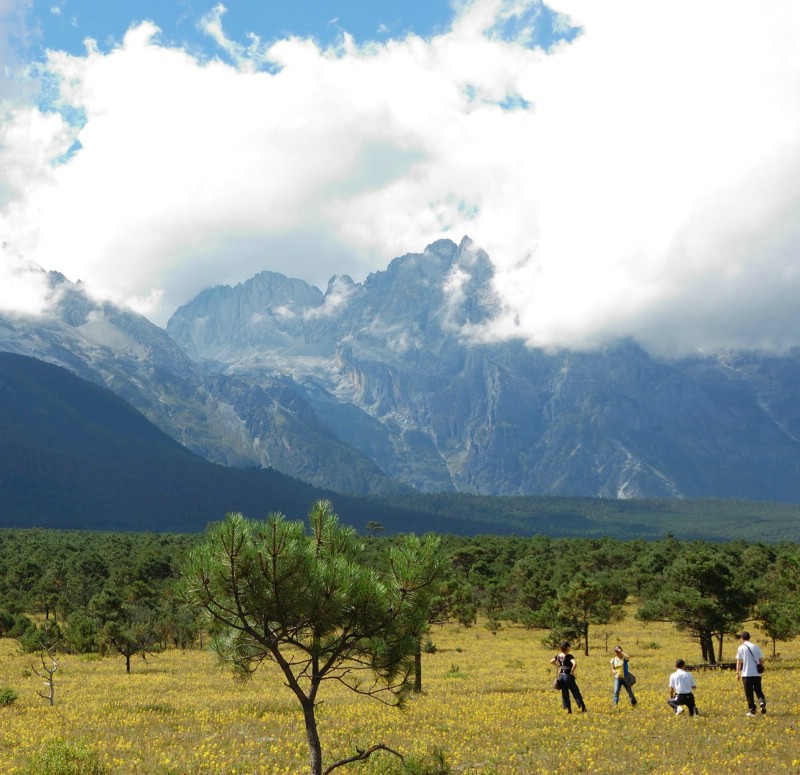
(681, 690)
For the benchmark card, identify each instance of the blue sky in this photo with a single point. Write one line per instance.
(631, 168)
(65, 23)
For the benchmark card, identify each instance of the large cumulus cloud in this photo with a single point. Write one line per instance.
(640, 180)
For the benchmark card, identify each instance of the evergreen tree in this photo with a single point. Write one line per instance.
(311, 604)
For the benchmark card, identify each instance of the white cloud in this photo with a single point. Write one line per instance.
(643, 185)
(23, 287)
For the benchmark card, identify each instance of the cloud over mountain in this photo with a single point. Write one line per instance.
(638, 180)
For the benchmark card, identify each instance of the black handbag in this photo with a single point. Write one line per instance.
(759, 666)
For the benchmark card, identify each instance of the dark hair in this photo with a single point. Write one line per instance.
(679, 663)
(745, 635)
(565, 644)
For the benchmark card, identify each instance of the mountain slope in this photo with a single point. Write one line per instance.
(73, 455)
(270, 426)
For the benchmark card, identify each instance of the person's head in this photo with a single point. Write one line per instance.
(679, 663)
(745, 635)
(617, 650)
(565, 646)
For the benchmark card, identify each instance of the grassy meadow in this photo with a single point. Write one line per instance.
(487, 705)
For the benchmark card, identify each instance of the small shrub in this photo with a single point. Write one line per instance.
(651, 646)
(45, 636)
(454, 672)
(429, 647)
(20, 625)
(7, 695)
(433, 763)
(6, 622)
(61, 757)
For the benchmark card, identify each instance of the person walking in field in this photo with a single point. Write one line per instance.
(749, 667)
(681, 690)
(619, 668)
(566, 664)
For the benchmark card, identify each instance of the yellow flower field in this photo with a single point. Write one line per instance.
(488, 705)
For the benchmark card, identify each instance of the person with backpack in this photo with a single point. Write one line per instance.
(566, 664)
(619, 668)
(749, 667)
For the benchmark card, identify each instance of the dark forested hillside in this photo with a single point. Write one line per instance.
(73, 455)
(650, 518)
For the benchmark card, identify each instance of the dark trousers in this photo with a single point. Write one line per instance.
(569, 684)
(683, 699)
(752, 686)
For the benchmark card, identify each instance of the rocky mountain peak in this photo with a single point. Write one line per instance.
(265, 312)
(373, 385)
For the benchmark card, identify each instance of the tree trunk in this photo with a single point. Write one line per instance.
(707, 645)
(418, 668)
(586, 639)
(719, 653)
(127, 663)
(312, 735)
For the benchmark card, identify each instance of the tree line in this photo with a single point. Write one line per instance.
(94, 591)
(120, 591)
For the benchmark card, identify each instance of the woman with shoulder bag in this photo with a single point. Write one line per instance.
(619, 667)
(566, 664)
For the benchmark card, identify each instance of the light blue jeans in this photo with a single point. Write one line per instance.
(619, 683)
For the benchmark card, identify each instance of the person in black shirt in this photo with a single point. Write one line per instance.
(566, 664)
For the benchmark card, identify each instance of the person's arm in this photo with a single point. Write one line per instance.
(624, 655)
(554, 660)
(738, 668)
(573, 666)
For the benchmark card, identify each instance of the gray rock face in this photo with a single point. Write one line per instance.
(226, 324)
(384, 366)
(373, 387)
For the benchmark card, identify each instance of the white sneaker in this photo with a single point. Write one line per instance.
(679, 710)
(750, 713)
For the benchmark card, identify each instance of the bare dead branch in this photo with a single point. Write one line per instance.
(363, 756)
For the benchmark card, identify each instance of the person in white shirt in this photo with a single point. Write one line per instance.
(681, 690)
(749, 666)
